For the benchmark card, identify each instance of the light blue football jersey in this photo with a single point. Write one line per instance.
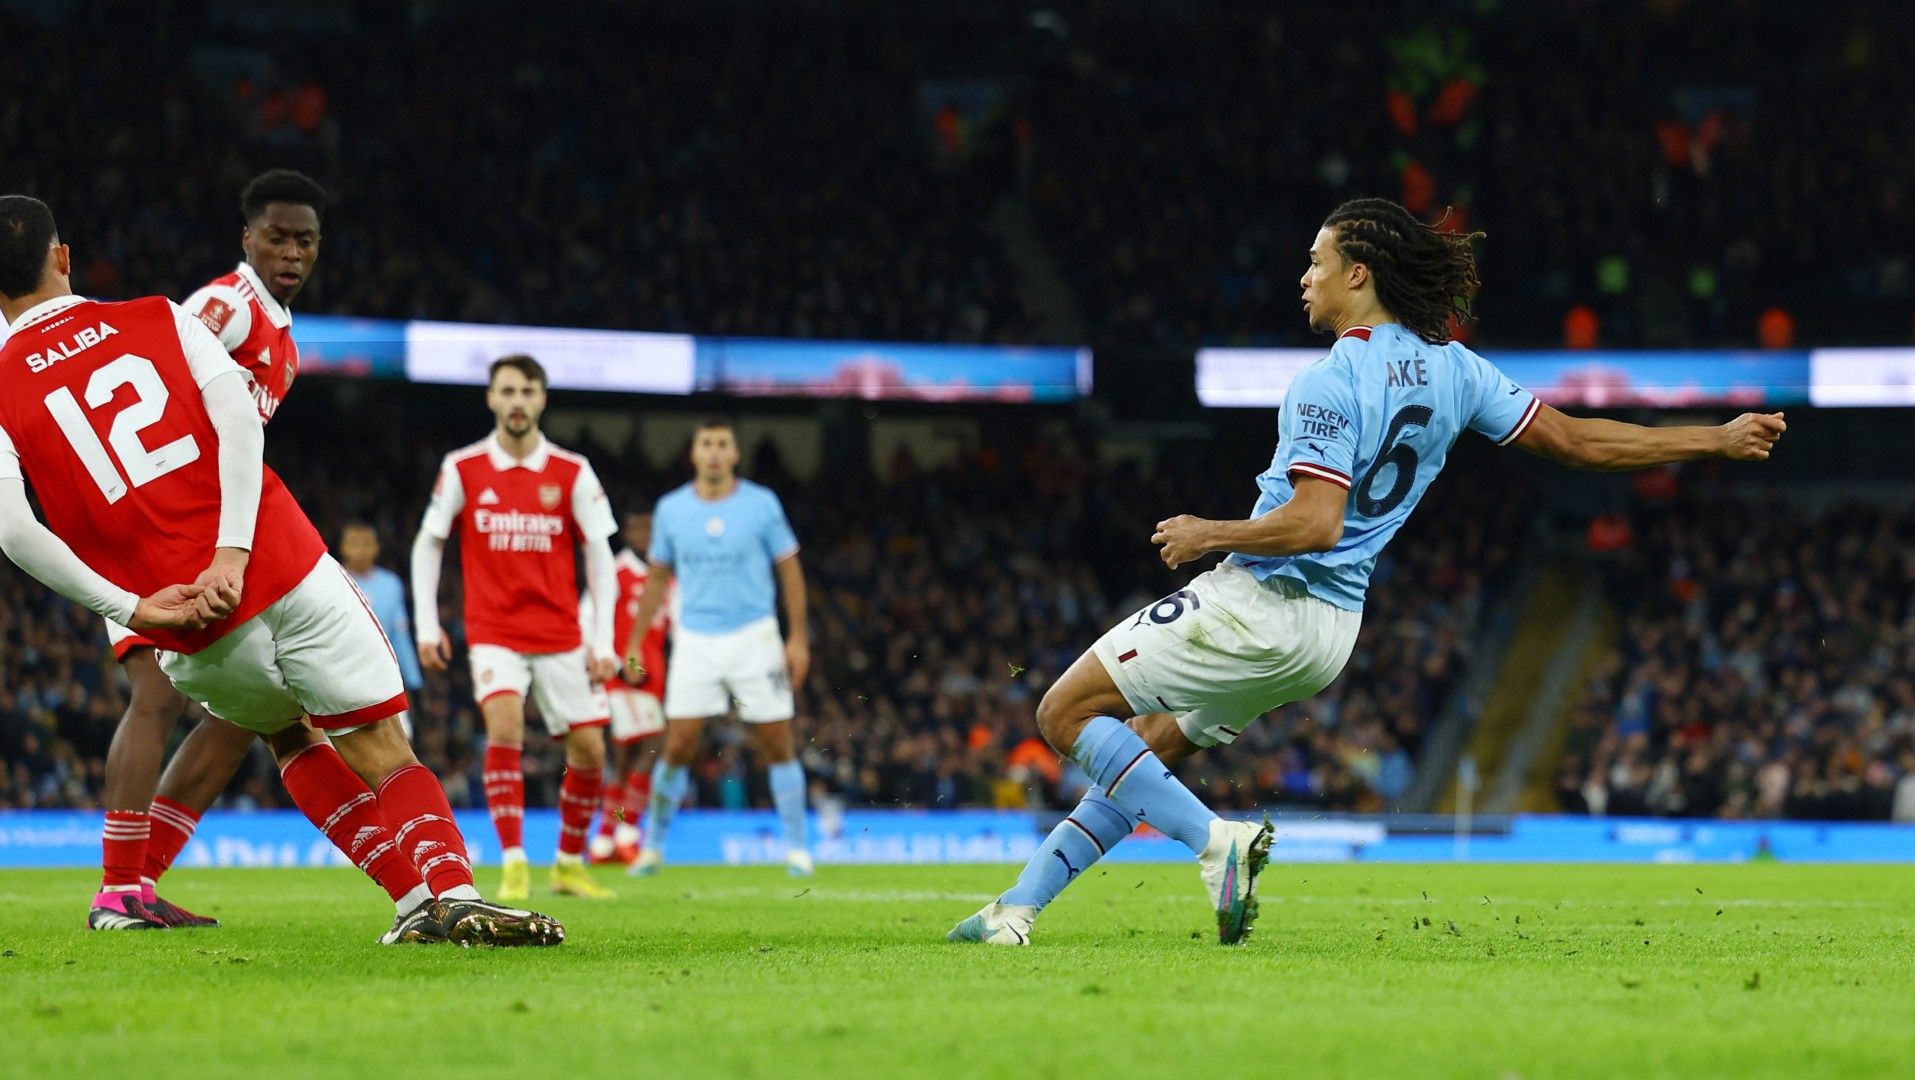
(1378, 416)
(721, 552)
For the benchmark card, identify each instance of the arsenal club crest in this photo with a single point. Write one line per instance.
(549, 496)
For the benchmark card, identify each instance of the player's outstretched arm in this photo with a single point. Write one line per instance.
(1311, 521)
(658, 585)
(34, 548)
(1615, 446)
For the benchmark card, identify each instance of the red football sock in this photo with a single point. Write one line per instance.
(578, 799)
(173, 825)
(614, 808)
(505, 792)
(412, 799)
(340, 805)
(123, 849)
(638, 792)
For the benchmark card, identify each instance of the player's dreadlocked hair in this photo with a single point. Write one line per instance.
(1423, 275)
(281, 185)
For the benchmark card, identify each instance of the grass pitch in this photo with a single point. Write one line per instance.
(1354, 971)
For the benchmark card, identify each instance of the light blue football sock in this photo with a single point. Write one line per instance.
(788, 795)
(1138, 783)
(1082, 838)
(669, 784)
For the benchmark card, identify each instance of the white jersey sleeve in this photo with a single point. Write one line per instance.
(206, 355)
(590, 508)
(224, 313)
(448, 499)
(10, 459)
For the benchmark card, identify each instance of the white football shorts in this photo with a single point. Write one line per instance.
(635, 715)
(712, 671)
(1226, 649)
(566, 695)
(317, 652)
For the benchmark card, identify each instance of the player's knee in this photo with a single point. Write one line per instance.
(292, 740)
(585, 748)
(1058, 718)
(155, 703)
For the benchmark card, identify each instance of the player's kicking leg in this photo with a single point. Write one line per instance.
(1132, 783)
(132, 771)
(1085, 836)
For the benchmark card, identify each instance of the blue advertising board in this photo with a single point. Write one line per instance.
(891, 371)
(51, 838)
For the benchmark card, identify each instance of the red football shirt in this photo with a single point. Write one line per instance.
(102, 404)
(519, 523)
(256, 330)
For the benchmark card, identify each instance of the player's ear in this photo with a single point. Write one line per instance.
(1358, 275)
(63, 260)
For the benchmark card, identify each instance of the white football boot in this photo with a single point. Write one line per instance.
(997, 924)
(1236, 854)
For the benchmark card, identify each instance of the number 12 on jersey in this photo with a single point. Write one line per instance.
(147, 408)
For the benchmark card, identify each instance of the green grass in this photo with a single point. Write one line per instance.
(1354, 971)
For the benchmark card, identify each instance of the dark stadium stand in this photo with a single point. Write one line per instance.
(799, 182)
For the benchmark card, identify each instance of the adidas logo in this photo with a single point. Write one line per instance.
(488, 497)
(365, 835)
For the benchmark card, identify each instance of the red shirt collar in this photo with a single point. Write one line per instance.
(1361, 333)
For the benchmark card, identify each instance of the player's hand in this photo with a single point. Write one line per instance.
(1751, 436)
(601, 666)
(1182, 538)
(224, 580)
(798, 660)
(435, 655)
(176, 607)
(633, 672)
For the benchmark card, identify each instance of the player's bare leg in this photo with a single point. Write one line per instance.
(1132, 783)
(504, 716)
(671, 779)
(411, 798)
(775, 747)
(578, 801)
(132, 773)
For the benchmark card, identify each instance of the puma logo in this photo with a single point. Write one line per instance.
(1070, 872)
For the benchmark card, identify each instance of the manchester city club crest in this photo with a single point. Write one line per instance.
(549, 496)
(715, 527)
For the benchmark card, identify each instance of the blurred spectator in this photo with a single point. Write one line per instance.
(1765, 669)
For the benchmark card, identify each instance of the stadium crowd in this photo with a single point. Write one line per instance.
(1766, 670)
(1183, 167)
(801, 180)
(936, 626)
